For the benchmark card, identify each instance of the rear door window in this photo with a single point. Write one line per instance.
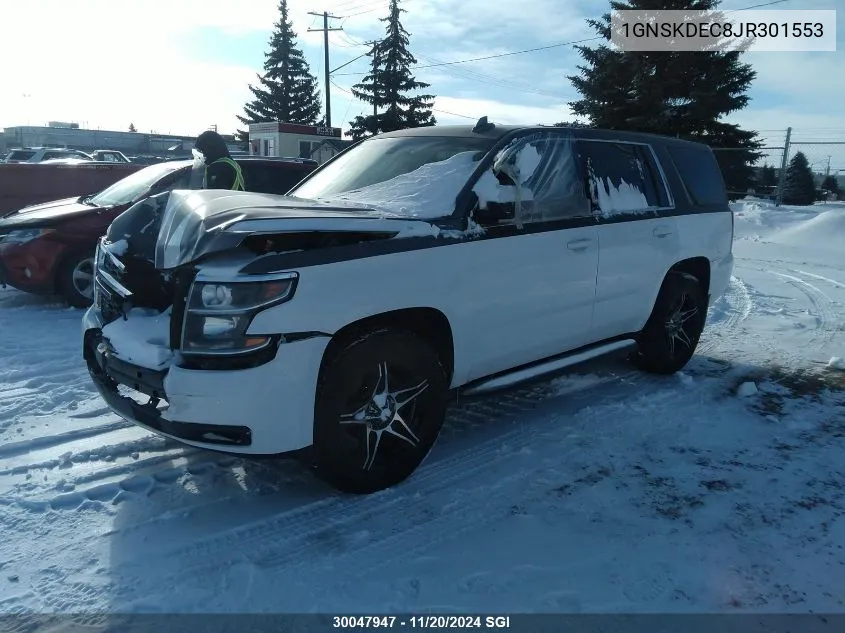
(621, 177)
(701, 175)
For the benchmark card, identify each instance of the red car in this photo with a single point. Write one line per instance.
(49, 248)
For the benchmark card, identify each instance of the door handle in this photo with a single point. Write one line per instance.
(662, 231)
(579, 245)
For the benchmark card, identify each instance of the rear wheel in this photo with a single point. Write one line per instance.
(380, 406)
(76, 280)
(674, 328)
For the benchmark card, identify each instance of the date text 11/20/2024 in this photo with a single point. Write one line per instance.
(359, 622)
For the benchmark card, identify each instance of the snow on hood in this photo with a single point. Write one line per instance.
(427, 192)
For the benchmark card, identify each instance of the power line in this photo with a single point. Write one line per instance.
(551, 46)
(463, 116)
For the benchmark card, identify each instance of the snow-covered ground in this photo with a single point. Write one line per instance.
(716, 490)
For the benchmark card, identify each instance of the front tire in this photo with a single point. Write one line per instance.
(381, 403)
(76, 280)
(669, 338)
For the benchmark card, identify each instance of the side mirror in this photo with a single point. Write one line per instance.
(494, 213)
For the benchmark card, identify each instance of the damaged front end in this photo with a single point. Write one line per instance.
(179, 279)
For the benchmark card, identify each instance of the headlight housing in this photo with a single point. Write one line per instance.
(22, 236)
(218, 313)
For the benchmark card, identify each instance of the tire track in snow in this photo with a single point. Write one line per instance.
(738, 308)
(828, 324)
(288, 539)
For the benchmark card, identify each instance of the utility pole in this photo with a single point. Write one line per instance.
(783, 164)
(827, 170)
(325, 15)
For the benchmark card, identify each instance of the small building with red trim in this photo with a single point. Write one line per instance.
(292, 140)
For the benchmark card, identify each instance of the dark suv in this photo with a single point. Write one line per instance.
(48, 248)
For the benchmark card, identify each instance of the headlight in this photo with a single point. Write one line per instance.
(22, 236)
(218, 313)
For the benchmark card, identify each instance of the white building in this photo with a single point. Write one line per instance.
(295, 141)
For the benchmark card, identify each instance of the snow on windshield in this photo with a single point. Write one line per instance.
(426, 192)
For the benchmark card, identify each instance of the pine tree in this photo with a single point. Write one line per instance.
(768, 177)
(681, 94)
(132, 127)
(287, 91)
(831, 184)
(389, 83)
(799, 187)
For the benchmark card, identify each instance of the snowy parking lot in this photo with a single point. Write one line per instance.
(719, 489)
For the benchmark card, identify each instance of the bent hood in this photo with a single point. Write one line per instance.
(187, 225)
(47, 212)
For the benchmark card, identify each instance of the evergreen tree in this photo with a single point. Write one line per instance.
(799, 187)
(768, 177)
(681, 94)
(571, 124)
(287, 91)
(388, 85)
(132, 127)
(831, 184)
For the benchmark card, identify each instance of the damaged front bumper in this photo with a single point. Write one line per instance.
(263, 410)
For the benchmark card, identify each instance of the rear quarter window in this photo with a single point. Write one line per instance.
(701, 175)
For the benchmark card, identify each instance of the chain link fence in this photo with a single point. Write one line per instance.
(824, 149)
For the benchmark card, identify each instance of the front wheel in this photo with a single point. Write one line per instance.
(76, 280)
(381, 403)
(674, 328)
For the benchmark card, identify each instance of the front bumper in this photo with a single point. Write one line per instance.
(262, 410)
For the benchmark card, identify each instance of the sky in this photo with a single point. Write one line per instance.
(181, 66)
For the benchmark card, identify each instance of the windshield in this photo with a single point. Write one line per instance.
(395, 163)
(133, 186)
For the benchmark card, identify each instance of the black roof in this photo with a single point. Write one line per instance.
(497, 132)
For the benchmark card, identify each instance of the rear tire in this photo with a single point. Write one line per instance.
(670, 336)
(381, 403)
(75, 280)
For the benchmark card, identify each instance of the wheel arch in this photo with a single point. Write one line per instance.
(430, 324)
(698, 267)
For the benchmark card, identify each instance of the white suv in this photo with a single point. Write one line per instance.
(413, 265)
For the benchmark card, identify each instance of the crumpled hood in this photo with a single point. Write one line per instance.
(193, 224)
(46, 213)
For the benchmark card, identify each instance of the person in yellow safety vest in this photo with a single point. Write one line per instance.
(221, 172)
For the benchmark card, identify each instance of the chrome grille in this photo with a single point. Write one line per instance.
(109, 294)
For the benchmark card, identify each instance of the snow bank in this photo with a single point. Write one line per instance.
(746, 389)
(757, 219)
(142, 338)
(837, 362)
(826, 228)
(427, 192)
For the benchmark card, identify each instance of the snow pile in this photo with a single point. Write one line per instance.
(142, 338)
(747, 389)
(837, 362)
(757, 219)
(427, 192)
(827, 229)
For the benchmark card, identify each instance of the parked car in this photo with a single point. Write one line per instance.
(416, 263)
(49, 248)
(41, 154)
(109, 156)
